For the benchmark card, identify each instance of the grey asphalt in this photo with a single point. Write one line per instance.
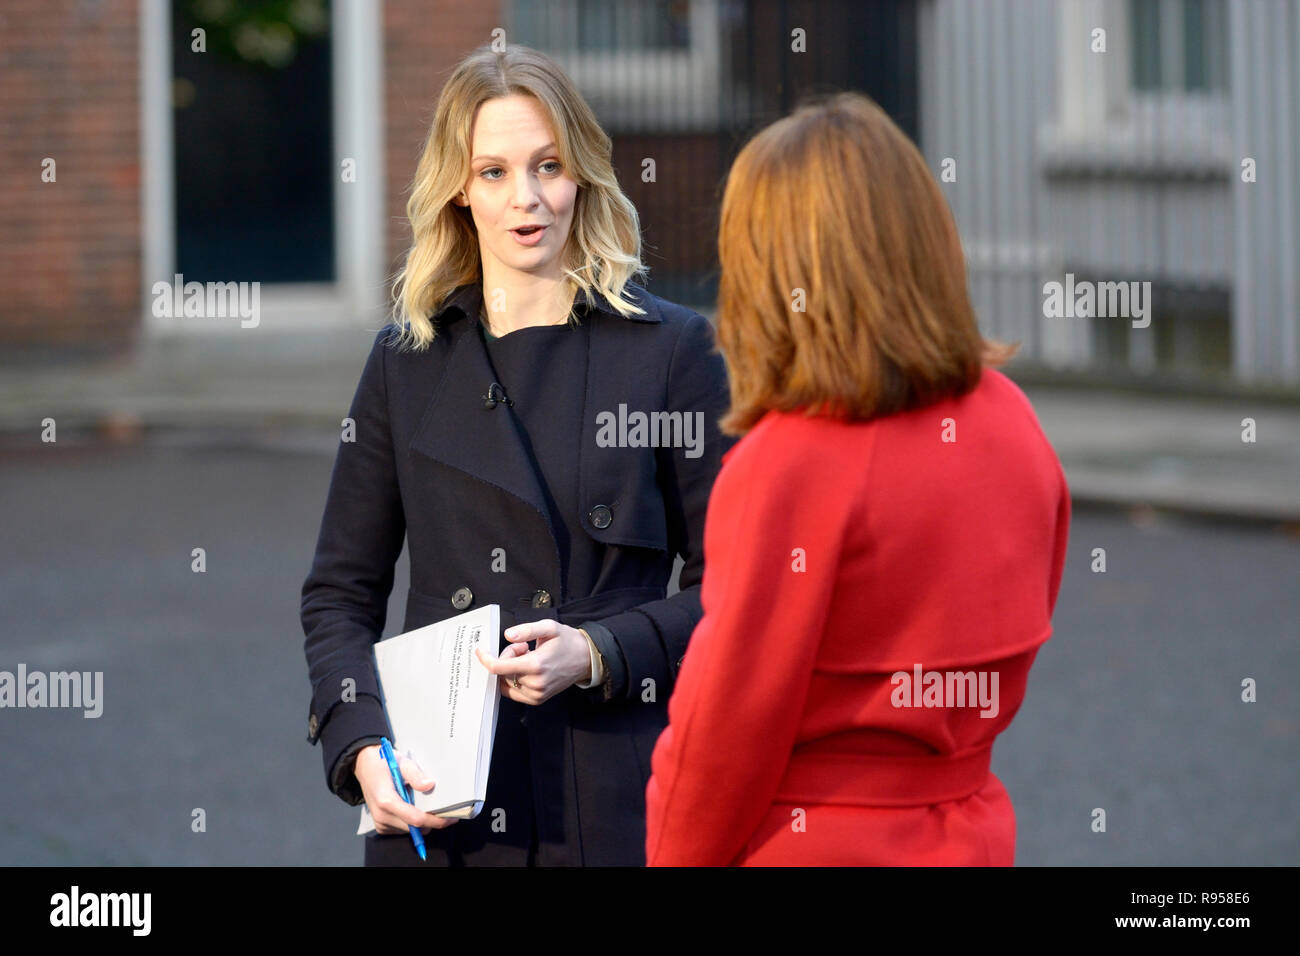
(226, 443)
(1134, 705)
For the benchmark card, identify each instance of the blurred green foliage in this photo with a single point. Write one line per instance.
(261, 33)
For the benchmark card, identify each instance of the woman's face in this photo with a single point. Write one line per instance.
(516, 180)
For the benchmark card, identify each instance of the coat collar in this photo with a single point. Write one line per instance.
(458, 430)
(467, 300)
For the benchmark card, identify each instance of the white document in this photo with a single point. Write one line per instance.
(442, 707)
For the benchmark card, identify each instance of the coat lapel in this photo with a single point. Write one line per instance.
(460, 432)
(599, 482)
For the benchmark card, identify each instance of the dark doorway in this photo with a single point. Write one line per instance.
(864, 45)
(254, 161)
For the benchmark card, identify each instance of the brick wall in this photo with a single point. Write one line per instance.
(423, 42)
(70, 249)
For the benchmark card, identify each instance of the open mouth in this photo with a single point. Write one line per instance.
(529, 235)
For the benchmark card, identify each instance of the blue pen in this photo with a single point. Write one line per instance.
(403, 791)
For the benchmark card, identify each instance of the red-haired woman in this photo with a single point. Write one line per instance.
(883, 547)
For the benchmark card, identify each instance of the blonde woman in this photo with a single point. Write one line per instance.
(483, 440)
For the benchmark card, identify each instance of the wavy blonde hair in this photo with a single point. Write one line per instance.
(834, 208)
(603, 251)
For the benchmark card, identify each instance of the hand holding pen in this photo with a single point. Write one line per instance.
(391, 813)
(403, 791)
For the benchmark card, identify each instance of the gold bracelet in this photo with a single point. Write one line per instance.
(600, 658)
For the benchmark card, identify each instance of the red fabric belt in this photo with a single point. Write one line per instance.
(883, 780)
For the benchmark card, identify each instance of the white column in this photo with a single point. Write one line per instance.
(157, 170)
(357, 37)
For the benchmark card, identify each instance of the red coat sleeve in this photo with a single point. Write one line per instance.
(772, 545)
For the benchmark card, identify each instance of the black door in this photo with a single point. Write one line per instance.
(254, 163)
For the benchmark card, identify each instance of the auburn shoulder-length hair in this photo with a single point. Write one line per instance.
(843, 283)
(603, 251)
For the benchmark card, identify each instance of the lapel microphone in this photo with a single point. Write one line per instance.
(495, 394)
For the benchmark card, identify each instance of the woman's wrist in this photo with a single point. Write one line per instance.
(596, 671)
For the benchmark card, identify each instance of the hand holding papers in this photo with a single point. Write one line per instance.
(442, 706)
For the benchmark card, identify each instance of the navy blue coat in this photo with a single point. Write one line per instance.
(432, 465)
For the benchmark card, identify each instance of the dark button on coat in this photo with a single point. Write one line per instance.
(431, 465)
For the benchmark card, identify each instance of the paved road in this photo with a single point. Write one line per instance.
(1133, 706)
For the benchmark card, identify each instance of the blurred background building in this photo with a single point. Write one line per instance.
(282, 152)
(1103, 139)
(1127, 164)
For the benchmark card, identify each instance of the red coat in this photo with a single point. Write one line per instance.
(842, 560)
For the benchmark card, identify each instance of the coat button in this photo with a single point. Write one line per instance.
(462, 598)
(541, 599)
(313, 725)
(601, 516)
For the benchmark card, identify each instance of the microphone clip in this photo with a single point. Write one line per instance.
(495, 394)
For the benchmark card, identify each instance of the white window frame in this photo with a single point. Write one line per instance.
(1105, 123)
(647, 90)
(358, 296)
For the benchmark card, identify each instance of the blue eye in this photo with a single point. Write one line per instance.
(497, 169)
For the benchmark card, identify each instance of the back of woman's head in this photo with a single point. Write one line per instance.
(603, 251)
(843, 286)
